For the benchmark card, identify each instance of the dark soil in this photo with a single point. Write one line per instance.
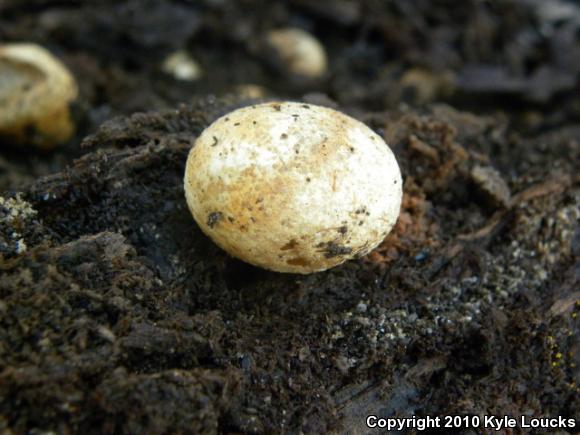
(118, 315)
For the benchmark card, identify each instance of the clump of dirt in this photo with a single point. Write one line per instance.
(120, 305)
(119, 316)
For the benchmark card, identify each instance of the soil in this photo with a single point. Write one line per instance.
(119, 316)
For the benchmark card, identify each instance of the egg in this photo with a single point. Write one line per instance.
(300, 53)
(36, 90)
(292, 187)
(181, 66)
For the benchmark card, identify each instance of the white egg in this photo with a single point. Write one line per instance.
(300, 52)
(182, 66)
(36, 90)
(293, 187)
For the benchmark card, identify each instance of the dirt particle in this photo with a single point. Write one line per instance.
(298, 261)
(333, 249)
(215, 141)
(213, 218)
(490, 182)
(290, 245)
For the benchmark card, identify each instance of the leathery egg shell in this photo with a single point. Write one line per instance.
(292, 187)
(299, 51)
(36, 90)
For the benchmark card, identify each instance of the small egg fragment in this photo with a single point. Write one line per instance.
(300, 52)
(36, 90)
(292, 187)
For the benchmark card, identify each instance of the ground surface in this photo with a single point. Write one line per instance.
(118, 316)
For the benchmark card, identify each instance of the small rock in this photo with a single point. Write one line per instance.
(361, 307)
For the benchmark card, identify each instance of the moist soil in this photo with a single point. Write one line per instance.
(119, 316)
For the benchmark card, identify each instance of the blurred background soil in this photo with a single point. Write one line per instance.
(118, 316)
